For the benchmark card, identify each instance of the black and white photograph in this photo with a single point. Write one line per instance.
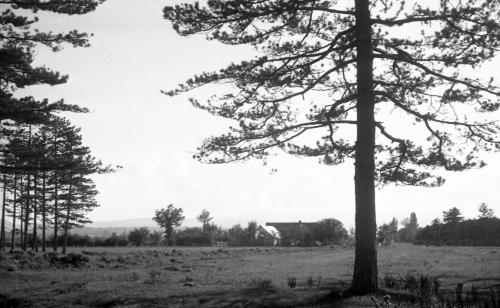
(250, 153)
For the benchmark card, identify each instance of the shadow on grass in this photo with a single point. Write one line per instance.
(13, 302)
(246, 297)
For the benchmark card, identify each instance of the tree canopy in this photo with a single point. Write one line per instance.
(452, 216)
(19, 39)
(310, 46)
(485, 211)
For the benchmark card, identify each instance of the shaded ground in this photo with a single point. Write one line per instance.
(231, 277)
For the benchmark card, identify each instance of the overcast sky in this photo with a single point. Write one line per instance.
(135, 54)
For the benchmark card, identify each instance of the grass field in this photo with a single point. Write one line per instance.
(218, 277)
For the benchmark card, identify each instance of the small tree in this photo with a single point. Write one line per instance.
(168, 219)
(485, 211)
(250, 231)
(205, 219)
(138, 236)
(452, 216)
(409, 230)
(236, 235)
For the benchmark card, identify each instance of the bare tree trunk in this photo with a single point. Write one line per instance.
(2, 227)
(66, 225)
(44, 213)
(56, 212)
(34, 244)
(14, 205)
(21, 215)
(27, 214)
(66, 228)
(365, 278)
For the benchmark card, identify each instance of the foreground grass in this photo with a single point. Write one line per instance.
(218, 277)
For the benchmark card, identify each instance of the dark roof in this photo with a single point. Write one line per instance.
(291, 224)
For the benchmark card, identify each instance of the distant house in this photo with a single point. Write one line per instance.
(295, 233)
(266, 236)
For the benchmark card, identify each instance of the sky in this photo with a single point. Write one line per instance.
(134, 54)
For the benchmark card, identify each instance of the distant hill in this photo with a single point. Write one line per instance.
(107, 231)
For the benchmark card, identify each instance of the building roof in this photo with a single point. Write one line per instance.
(271, 230)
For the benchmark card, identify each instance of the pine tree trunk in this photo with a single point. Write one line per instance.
(66, 227)
(44, 213)
(56, 212)
(34, 244)
(14, 206)
(21, 214)
(27, 209)
(2, 227)
(27, 214)
(365, 278)
(66, 224)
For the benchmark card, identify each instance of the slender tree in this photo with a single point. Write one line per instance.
(4, 204)
(21, 208)
(44, 212)
(485, 211)
(14, 217)
(204, 218)
(323, 66)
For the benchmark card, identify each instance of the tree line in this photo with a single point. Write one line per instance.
(45, 170)
(452, 229)
(325, 232)
(171, 217)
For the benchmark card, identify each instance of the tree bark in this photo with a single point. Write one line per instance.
(365, 278)
(44, 213)
(27, 209)
(66, 224)
(14, 206)
(2, 227)
(21, 214)
(27, 213)
(34, 244)
(56, 213)
(66, 227)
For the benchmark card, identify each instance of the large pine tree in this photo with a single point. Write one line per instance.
(331, 70)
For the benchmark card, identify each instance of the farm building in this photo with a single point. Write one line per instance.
(267, 236)
(295, 233)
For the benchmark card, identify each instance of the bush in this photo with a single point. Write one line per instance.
(192, 237)
(138, 236)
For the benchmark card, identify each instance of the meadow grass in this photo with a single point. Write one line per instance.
(218, 277)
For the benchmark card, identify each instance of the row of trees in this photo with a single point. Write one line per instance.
(455, 230)
(327, 231)
(44, 167)
(47, 182)
(171, 217)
